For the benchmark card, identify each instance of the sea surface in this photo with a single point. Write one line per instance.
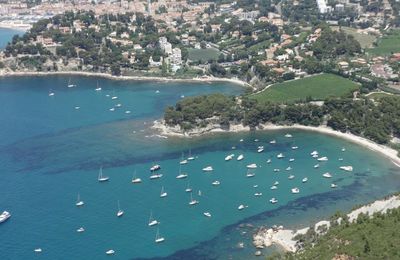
(52, 148)
(6, 36)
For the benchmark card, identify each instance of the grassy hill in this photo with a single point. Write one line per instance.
(316, 87)
(387, 44)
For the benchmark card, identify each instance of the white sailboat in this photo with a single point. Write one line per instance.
(110, 252)
(183, 161)
(280, 156)
(260, 149)
(250, 174)
(159, 238)
(80, 230)
(305, 180)
(163, 194)
(181, 175)
(295, 190)
(79, 202)
(38, 250)
(152, 222)
(327, 175)
(207, 214)
(136, 179)
(102, 178)
(97, 88)
(208, 169)
(240, 157)
(216, 183)
(252, 166)
(273, 200)
(190, 157)
(69, 84)
(188, 188)
(120, 211)
(193, 201)
(323, 159)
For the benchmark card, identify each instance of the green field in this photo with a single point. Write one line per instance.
(204, 54)
(317, 87)
(365, 40)
(387, 44)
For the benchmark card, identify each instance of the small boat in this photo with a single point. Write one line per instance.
(295, 147)
(157, 91)
(274, 187)
(295, 190)
(183, 162)
(229, 157)
(340, 159)
(256, 140)
(272, 142)
(120, 212)
(241, 140)
(118, 105)
(322, 159)
(110, 252)
(305, 180)
(241, 206)
(77, 107)
(135, 179)
(288, 136)
(252, 166)
(181, 175)
(280, 156)
(114, 97)
(314, 153)
(327, 175)
(112, 109)
(343, 149)
(190, 158)
(269, 161)
(315, 156)
(188, 189)
(276, 170)
(260, 149)
(152, 222)
(346, 168)
(255, 186)
(208, 169)
(51, 94)
(79, 202)
(155, 176)
(199, 193)
(207, 214)
(333, 186)
(69, 84)
(107, 95)
(4, 216)
(250, 174)
(80, 230)
(273, 200)
(316, 166)
(102, 178)
(288, 168)
(127, 112)
(258, 194)
(215, 183)
(163, 194)
(97, 88)
(276, 183)
(291, 177)
(159, 238)
(193, 201)
(38, 250)
(155, 168)
(291, 160)
(240, 157)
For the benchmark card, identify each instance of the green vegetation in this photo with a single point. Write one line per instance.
(367, 238)
(204, 54)
(377, 96)
(388, 44)
(317, 87)
(365, 40)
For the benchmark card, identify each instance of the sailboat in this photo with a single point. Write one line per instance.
(120, 212)
(69, 84)
(163, 194)
(97, 88)
(181, 175)
(51, 93)
(183, 161)
(188, 189)
(79, 202)
(159, 238)
(190, 158)
(152, 222)
(102, 178)
(192, 201)
(136, 179)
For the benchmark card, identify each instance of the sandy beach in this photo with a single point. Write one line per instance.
(382, 149)
(133, 78)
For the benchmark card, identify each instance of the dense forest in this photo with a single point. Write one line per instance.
(366, 238)
(378, 121)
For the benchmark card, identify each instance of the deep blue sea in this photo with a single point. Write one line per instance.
(52, 147)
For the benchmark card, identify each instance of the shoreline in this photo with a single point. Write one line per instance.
(285, 238)
(382, 149)
(127, 78)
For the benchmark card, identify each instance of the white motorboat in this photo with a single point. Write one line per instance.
(291, 160)
(252, 166)
(260, 149)
(274, 187)
(112, 109)
(80, 230)
(258, 194)
(295, 190)
(256, 140)
(276, 183)
(152, 222)
(240, 157)
(157, 91)
(120, 212)
(288, 136)
(241, 206)
(127, 112)
(305, 180)
(215, 183)
(273, 200)
(208, 169)
(241, 140)
(280, 156)
(193, 201)
(250, 174)
(207, 214)
(102, 178)
(343, 149)
(155, 176)
(327, 175)
(110, 252)
(269, 161)
(114, 97)
(255, 186)
(79, 202)
(155, 168)
(118, 105)
(295, 147)
(314, 153)
(340, 159)
(4, 216)
(315, 156)
(289, 168)
(346, 168)
(276, 170)
(51, 94)
(159, 238)
(333, 186)
(322, 159)
(229, 157)
(291, 177)
(272, 142)
(37, 250)
(77, 107)
(316, 166)
(163, 194)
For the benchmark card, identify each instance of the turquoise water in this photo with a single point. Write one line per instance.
(6, 36)
(51, 151)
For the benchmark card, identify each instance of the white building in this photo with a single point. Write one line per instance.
(165, 45)
(176, 57)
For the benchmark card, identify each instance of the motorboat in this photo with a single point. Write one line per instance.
(4, 216)
(316, 166)
(295, 190)
(333, 186)
(260, 149)
(269, 161)
(295, 147)
(241, 206)
(208, 169)
(291, 160)
(80, 230)
(229, 157)
(343, 149)
(322, 159)
(291, 177)
(276, 183)
(252, 166)
(280, 156)
(155, 176)
(155, 168)
(272, 142)
(305, 180)
(37, 250)
(289, 168)
(215, 183)
(110, 252)
(314, 153)
(274, 187)
(346, 168)
(273, 200)
(276, 170)
(327, 175)
(258, 194)
(240, 157)
(288, 136)
(207, 214)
